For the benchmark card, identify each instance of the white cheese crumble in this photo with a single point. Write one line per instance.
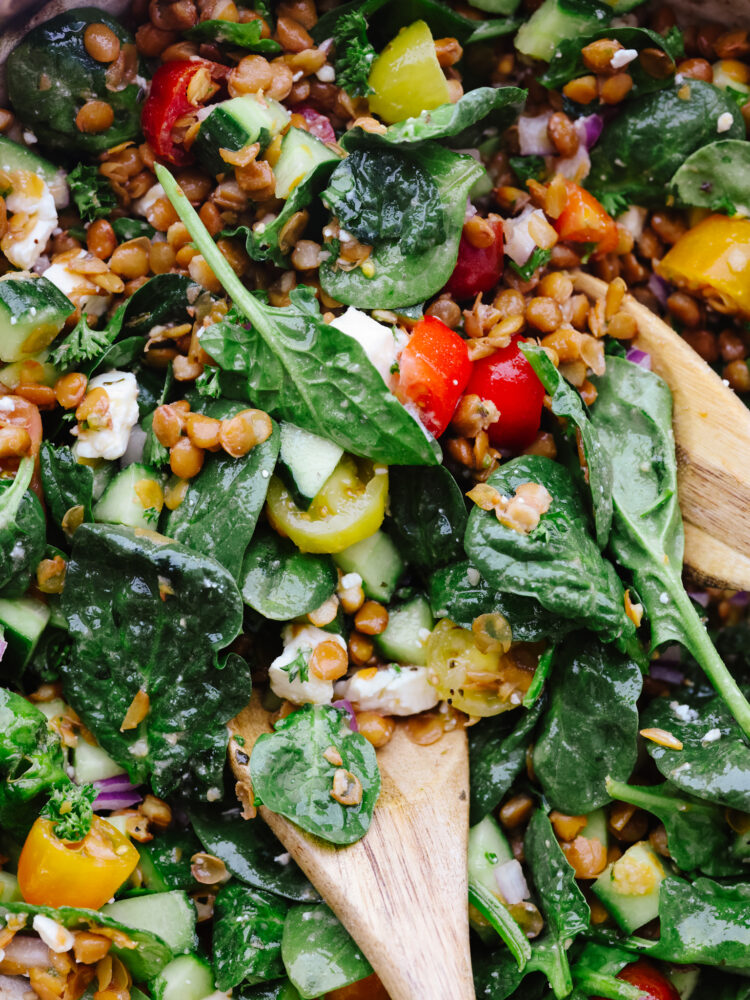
(724, 122)
(634, 220)
(326, 74)
(92, 300)
(55, 936)
(111, 442)
(30, 196)
(473, 576)
(379, 342)
(144, 203)
(711, 736)
(294, 681)
(351, 580)
(390, 690)
(683, 712)
(622, 57)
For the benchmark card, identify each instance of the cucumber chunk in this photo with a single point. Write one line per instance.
(169, 915)
(236, 123)
(23, 620)
(188, 977)
(32, 313)
(14, 156)
(596, 827)
(488, 849)
(377, 561)
(91, 763)
(630, 886)
(300, 153)
(120, 502)
(404, 637)
(9, 891)
(553, 22)
(306, 461)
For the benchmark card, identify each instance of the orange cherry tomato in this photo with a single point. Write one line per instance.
(53, 872)
(584, 220)
(18, 412)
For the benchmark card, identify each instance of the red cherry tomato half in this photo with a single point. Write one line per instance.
(584, 220)
(168, 100)
(649, 980)
(434, 368)
(478, 269)
(318, 124)
(507, 379)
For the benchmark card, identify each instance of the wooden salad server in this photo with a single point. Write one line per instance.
(402, 890)
(712, 432)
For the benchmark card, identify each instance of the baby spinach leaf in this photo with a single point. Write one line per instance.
(501, 920)
(496, 975)
(136, 638)
(292, 777)
(166, 860)
(497, 755)
(66, 483)
(697, 833)
(409, 266)
(250, 852)
(282, 583)
(319, 956)
(714, 769)
(242, 36)
(590, 728)
(567, 404)
(563, 905)
(247, 936)
(548, 956)
(429, 515)
(715, 177)
(641, 148)
(282, 989)
(223, 502)
(632, 415)
(22, 531)
(558, 563)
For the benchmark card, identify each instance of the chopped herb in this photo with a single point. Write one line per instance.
(354, 54)
(538, 259)
(91, 192)
(70, 810)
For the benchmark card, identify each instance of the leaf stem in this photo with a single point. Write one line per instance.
(13, 495)
(540, 676)
(602, 985)
(653, 800)
(494, 911)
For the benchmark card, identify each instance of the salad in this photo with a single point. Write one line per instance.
(300, 400)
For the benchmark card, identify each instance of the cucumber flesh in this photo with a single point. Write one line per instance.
(236, 123)
(630, 886)
(596, 827)
(551, 24)
(300, 153)
(91, 763)
(306, 462)
(376, 559)
(9, 891)
(32, 313)
(488, 849)
(14, 156)
(403, 640)
(120, 502)
(169, 915)
(185, 978)
(23, 620)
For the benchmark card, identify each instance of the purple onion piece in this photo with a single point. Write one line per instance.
(593, 125)
(642, 358)
(3, 647)
(533, 138)
(664, 672)
(116, 800)
(741, 599)
(349, 708)
(660, 288)
(700, 597)
(116, 782)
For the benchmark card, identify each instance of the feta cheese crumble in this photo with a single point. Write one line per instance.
(289, 675)
(379, 342)
(390, 690)
(111, 442)
(724, 122)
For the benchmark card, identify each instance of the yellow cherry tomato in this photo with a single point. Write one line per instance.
(472, 681)
(406, 76)
(53, 872)
(713, 260)
(350, 507)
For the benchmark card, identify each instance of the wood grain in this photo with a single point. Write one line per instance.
(401, 891)
(712, 433)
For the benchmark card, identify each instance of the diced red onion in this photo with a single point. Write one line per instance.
(700, 597)
(14, 988)
(741, 599)
(664, 672)
(3, 647)
(29, 951)
(659, 287)
(533, 138)
(116, 800)
(318, 124)
(511, 882)
(349, 708)
(117, 781)
(575, 168)
(638, 357)
(589, 129)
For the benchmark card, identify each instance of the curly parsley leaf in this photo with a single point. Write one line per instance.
(85, 344)
(70, 809)
(208, 383)
(353, 53)
(537, 259)
(91, 192)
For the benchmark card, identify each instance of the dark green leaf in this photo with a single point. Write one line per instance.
(282, 989)
(353, 53)
(130, 229)
(166, 860)
(282, 583)
(501, 920)
(92, 193)
(291, 776)
(590, 729)
(66, 483)
(136, 638)
(22, 531)
(318, 953)
(244, 36)
(715, 177)
(247, 933)
(497, 976)
(429, 515)
(528, 168)
(562, 903)
(548, 956)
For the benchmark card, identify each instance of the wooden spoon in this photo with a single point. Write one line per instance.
(401, 891)
(712, 432)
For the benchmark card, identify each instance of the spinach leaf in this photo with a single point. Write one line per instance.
(461, 594)
(563, 905)
(31, 762)
(247, 936)
(567, 62)
(595, 971)
(548, 956)
(558, 563)
(282, 989)
(22, 531)
(429, 516)
(144, 955)
(250, 852)
(697, 833)
(92, 193)
(297, 368)
(353, 53)
(319, 956)
(497, 976)
(135, 638)
(129, 229)
(633, 415)
(291, 776)
(590, 729)
(166, 860)
(66, 482)
(714, 769)
(715, 177)
(223, 502)
(497, 755)
(242, 36)
(641, 149)
(409, 265)
(282, 583)
(501, 920)
(567, 404)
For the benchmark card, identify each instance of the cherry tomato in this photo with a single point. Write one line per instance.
(507, 379)
(433, 370)
(649, 980)
(53, 872)
(478, 269)
(168, 100)
(18, 412)
(584, 220)
(318, 124)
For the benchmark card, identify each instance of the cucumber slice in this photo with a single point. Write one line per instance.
(300, 153)
(188, 977)
(236, 123)
(377, 561)
(104, 473)
(488, 849)
(630, 886)
(91, 763)
(306, 461)
(596, 827)
(169, 915)
(9, 891)
(553, 22)
(120, 502)
(46, 374)
(14, 156)
(32, 313)
(23, 620)
(683, 979)
(404, 637)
